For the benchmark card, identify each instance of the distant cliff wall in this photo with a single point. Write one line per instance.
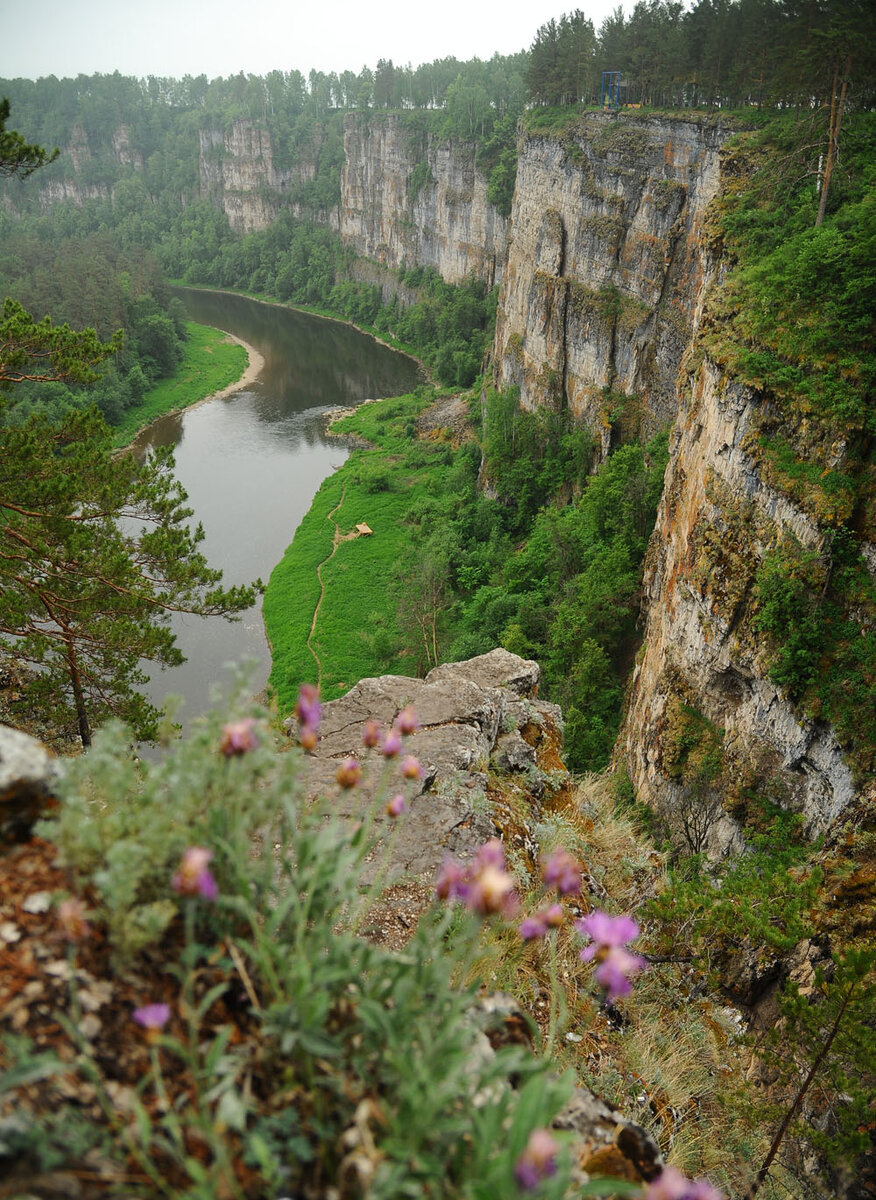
(418, 201)
(603, 281)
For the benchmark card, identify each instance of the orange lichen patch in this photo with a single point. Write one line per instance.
(610, 1162)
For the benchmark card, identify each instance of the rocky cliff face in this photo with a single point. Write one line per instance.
(603, 281)
(604, 290)
(237, 171)
(411, 203)
(701, 683)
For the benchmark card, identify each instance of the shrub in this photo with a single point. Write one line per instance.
(271, 1033)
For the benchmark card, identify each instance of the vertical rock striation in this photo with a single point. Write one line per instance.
(237, 171)
(701, 666)
(603, 281)
(409, 200)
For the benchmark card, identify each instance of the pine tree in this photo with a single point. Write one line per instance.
(96, 552)
(17, 157)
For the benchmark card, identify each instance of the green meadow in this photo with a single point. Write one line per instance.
(211, 363)
(356, 634)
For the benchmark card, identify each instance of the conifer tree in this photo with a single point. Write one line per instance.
(96, 552)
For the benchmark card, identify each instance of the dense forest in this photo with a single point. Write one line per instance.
(99, 255)
(527, 532)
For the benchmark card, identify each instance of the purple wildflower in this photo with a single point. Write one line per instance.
(371, 734)
(537, 925)
(152, 1017)
(562, 871)
(348, 773)
(307, 738)
(396, 806)
(410, 767)
(491, 854)
(533, 927)
(671, 1184)
(406, 722)
(307, 709)
(615, 965)
(483, 885)
(194, 877)
(238, 737)
(391, 744)
(538, 1161)
(491, 890)
(451, 882)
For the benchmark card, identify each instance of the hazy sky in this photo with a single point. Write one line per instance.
(218, 37)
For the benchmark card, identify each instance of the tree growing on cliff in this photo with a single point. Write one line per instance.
(95, 554)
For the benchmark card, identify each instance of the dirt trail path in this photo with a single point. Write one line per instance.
(337, 538)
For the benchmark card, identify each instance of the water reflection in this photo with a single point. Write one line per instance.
(252, 462)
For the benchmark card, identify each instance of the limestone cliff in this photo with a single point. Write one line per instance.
(237, 171)
(701, 676)
(603, 282)
(415, 202)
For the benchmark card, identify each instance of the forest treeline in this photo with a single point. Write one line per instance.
(715, 53)
(135, 147)
(90, 282)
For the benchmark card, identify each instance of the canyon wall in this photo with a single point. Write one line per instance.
(414, 200)
(603, 281)
(704, 717)
(238, 172)
(605, 277)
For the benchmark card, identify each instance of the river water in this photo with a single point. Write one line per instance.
(251, 463)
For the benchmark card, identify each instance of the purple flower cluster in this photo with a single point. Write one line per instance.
(538, 1161)
(390, 743)
(308, 710)
(562, 871)
(194, 877)
(671, 1184)
(484, 885)
(609, 937)
(239, 737)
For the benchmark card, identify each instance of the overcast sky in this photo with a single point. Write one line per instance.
(221, 37)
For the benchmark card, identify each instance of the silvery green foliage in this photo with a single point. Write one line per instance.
(388, 1080)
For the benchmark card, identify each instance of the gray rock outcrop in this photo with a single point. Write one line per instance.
(475, 718)
(27, 775)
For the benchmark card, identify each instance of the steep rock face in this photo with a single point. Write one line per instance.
(237, 171)
(603, 281)
(437, 217)
(701, 675)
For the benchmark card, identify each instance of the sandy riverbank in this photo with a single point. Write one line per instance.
(255, 363)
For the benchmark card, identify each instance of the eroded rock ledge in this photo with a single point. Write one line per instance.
(479, 720)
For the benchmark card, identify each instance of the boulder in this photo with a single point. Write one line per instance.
(27, 776)
(475, 717)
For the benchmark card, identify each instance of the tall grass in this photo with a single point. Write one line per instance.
(356, 633)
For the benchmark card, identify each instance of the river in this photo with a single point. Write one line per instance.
(252, 461)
